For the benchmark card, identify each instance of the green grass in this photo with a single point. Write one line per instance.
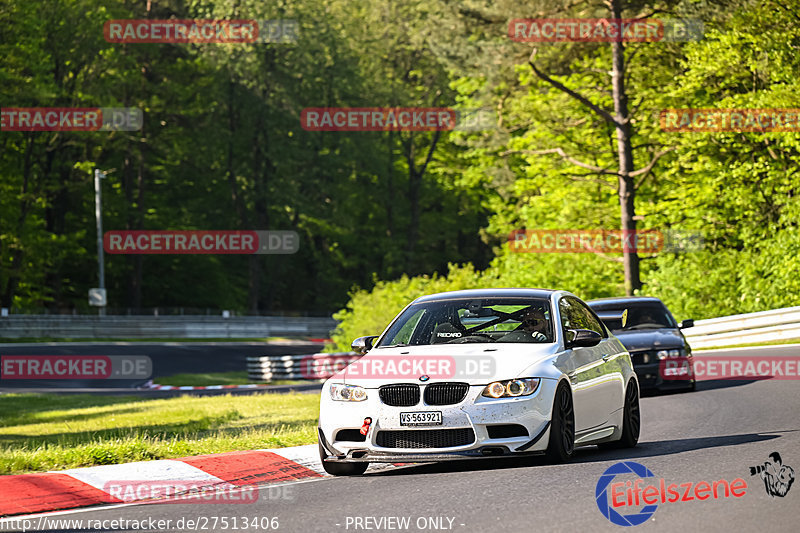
(51, 432)
(218, 378)
(751, 345)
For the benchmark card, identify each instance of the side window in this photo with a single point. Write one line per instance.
(571, 317)
(591, 322)
(574, 315)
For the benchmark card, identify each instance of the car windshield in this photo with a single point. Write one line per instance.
(652, 316)
(482, 320)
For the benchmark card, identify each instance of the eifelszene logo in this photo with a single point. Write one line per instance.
(608, 509)
(614, 498)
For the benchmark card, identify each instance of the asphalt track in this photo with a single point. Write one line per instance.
(715, 433)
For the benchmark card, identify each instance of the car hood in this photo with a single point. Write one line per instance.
(649, 339)
(476, 364)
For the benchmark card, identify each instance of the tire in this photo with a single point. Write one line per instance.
(341, 469)
(631, 420)
(562, 426)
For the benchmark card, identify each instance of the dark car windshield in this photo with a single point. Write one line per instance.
(480, 320)
(649, 316)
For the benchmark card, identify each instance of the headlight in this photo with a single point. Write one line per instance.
(511, 388)
(494, 390)
(671, 354)
(348, 393)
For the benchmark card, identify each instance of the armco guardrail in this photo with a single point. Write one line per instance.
(163, 327)
(777, 324)
(316, 366)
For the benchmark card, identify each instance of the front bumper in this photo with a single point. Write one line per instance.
(651, 376)
(475, 414)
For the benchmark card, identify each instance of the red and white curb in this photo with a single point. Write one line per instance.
(82, 487)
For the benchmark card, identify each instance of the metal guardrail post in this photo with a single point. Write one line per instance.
(312, 367)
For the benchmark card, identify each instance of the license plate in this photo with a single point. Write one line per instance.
(682, 370)
(423, 418)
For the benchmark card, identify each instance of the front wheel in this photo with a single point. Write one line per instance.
(562, 427)
(341, 469)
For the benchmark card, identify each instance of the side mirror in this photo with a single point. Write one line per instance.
(582, 338)
(688, 323)
(363, 344)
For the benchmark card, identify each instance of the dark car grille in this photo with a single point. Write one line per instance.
(428, 438)
(445, 393)
(401, 395)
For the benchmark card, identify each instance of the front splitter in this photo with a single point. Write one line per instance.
(376, 457)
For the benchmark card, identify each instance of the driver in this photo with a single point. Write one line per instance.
(646, 318)
(534, 323)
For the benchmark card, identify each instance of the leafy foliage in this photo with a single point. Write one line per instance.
(739, 190)
(222, 148)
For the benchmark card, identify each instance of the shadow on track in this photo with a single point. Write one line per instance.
(588, 454)
(703, 386)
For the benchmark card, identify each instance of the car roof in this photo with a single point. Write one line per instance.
(622, 300)
(488, 293)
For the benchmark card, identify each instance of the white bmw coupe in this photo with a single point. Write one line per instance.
(480, 373)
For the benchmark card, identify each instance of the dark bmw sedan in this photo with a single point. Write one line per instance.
(653, 337)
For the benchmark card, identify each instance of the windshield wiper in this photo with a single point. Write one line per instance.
(398, 345)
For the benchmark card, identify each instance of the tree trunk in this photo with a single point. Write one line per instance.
(415, 175)
(138, 259)
(390, 199)
(134, 221)
(627, 191)
(414, 181)
(262, 172)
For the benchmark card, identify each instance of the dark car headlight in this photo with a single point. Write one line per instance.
(671, 354)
